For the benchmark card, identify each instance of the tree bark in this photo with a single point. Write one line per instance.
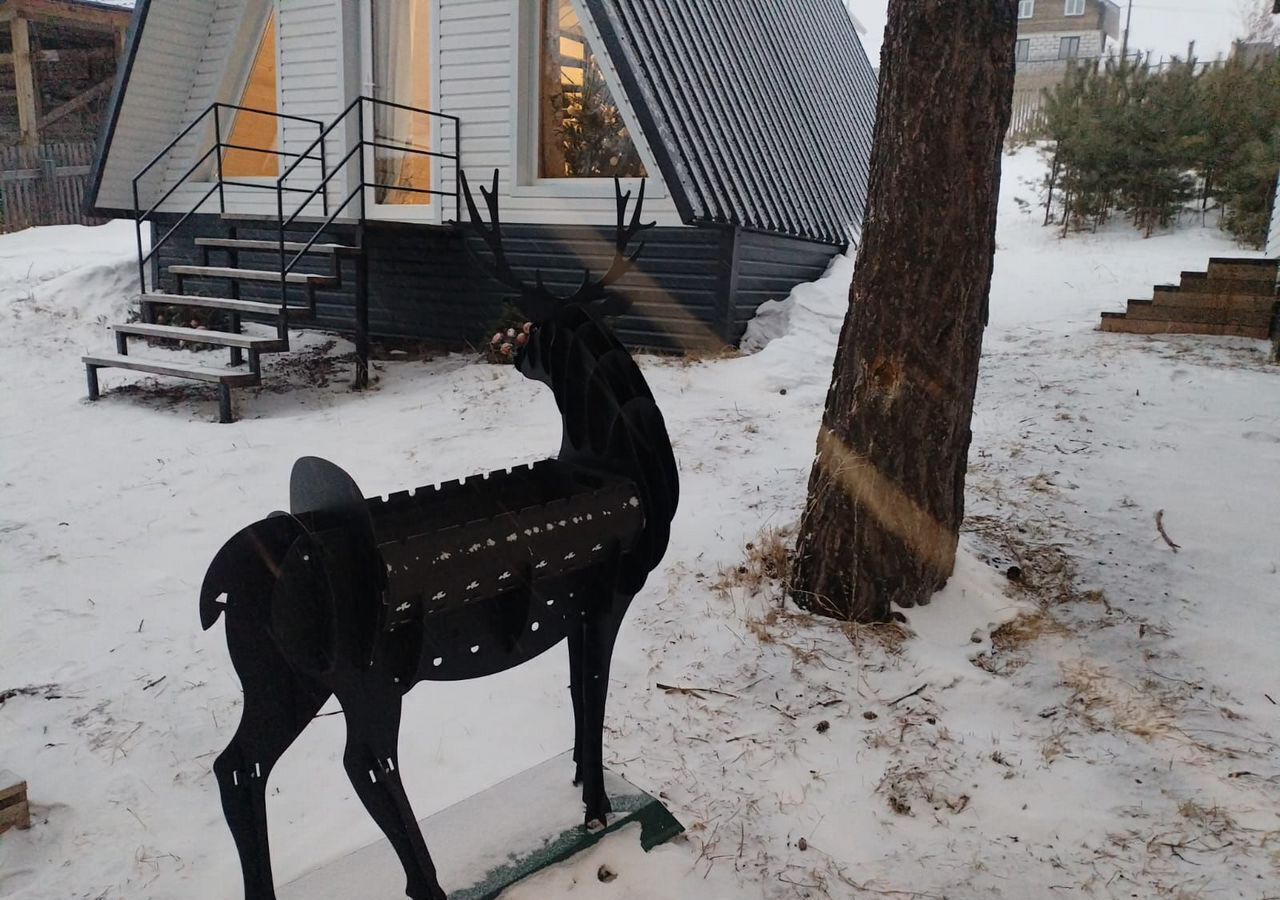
(886, 493)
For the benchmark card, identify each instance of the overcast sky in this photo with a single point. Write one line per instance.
(1162, 26)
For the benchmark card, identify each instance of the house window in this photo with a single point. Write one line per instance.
(1074, 8)
(252, 132)
(402, 75)
(1069, 48)
(580, 129)
(1026, 9)
(1022, 50)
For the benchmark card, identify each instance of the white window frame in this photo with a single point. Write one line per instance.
(1022, 50)
(1062, 42)
(1026, 9)
(1074, 8)
(527, 38)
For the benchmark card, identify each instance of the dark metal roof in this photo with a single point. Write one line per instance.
(760, 112)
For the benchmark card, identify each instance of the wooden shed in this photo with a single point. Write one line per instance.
(58, 61)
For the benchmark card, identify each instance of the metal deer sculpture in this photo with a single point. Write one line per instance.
(362, 598)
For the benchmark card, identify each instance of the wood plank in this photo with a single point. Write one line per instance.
(251, 307)
(250, 275)
(25, 80)
(175, 370)
(73, 15)
(78, 102)
(289, 246)
(202, 336)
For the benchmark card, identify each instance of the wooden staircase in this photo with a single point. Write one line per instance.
(1234, 297)
(234, 311)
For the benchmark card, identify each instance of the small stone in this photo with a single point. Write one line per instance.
(823, 726)
(870, 714)
(1014, 573)
(606, 874)
(783, 392)
(802, 844)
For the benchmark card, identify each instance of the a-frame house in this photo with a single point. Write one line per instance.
(242, 130)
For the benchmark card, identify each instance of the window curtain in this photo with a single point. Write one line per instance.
(402, 74)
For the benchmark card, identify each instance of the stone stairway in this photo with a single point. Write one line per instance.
(230, 336)
(1234, 297)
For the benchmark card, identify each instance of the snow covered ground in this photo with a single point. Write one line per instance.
(1105, 727)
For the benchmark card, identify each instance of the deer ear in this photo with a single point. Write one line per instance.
(244, 571)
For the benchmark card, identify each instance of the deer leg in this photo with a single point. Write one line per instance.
(576, 644)
(600, 631)
(278, 704)
(373, 727)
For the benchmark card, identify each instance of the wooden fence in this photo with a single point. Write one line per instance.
(1028, 114)
(44, 185)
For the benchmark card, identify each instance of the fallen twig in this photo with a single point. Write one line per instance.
(149, 685)
(694, 691)
(1164, 534)
(912, 694)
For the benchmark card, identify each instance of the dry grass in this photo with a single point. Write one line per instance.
(765, 573)
(766, 567)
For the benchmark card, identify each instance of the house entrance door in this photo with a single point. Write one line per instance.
(399, 64)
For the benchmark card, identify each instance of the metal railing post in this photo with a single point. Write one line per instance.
(324, 173)
(457, 170)
(362, 269)
(142, 265)
(282, 325)
(217, 136)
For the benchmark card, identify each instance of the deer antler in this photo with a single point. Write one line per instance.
(536, 300)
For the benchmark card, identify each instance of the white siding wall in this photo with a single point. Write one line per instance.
(154, 106)
(312, 60)
(480, 68)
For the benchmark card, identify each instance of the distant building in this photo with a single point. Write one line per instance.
(1052, 33)
(1253, 53)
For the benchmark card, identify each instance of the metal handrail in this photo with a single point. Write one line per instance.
(287, 264)
(219, 145)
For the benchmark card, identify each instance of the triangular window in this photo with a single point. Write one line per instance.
(581, 133)
(249, 133)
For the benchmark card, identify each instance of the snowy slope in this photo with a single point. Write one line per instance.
(1128, 750)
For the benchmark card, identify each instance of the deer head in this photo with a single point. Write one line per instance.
(535, 300)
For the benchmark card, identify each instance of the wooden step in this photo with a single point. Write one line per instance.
(1119, 322)
(248, 307)
(1242, 302)
(203, 336)
(225, 379)
(1201, 283)
(268, 246)
(175, 369)
(252, 275)
(1193, 315)
(1222, 268)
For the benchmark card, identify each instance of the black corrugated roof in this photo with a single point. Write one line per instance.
(761, 112)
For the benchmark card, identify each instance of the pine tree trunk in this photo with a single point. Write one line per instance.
(886, 493)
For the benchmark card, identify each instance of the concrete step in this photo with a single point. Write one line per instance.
(246, 307)
(252, 275)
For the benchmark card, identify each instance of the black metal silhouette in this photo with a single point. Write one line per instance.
(363, 598)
